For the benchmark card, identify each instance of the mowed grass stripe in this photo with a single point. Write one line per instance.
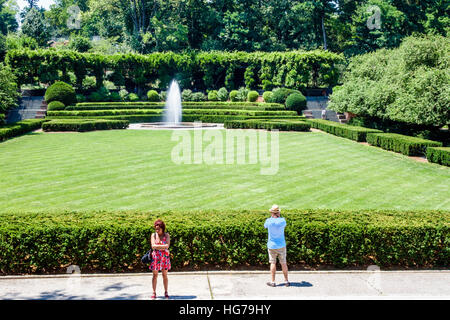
(133, 170)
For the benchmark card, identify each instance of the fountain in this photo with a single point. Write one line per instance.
(173, 113)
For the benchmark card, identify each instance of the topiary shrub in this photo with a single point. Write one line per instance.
(163, 95)
(153, 96)
(95, 97)
(280, 94)
(222, 94)
(123, 94)
(296, 102)
(115, 97)
(212, 95)
(186, 95)
(242, 94)
(252, 96)
(133, 97)
(233, 95)
(81, 98)
(61, 91)
(198, 96)
(56, 105)
(267, 96)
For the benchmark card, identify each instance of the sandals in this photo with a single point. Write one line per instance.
(153, 296)
(166, 295)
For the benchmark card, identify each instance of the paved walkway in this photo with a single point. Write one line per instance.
(233, 286)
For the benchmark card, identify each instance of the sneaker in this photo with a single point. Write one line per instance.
(271, 284)
(287, 283)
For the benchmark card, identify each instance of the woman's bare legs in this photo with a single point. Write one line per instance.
(165, 280)
(154, 280)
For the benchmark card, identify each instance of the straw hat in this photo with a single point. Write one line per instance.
(275, 209)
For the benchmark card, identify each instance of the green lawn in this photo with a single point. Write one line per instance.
(132, 169)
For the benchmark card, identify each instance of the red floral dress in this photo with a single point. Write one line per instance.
(160, 258)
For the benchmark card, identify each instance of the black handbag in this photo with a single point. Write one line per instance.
(147, 258)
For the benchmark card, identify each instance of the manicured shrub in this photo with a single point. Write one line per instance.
(84, 125)
(280, 94)
(115, 241)
(252, 96)
(267, 96)
(198, 96)
(342, 130)
(123, 94)
(15, 129)
(410, 146)
(115, 97)
(242, 94)
(95, 97)
(153, 96)
(133, 97)
(296, 102)
(61, 91)
(282, 125)
(2, 119)
(163, 96)
(81, 98)
(186, 95)
(222, 94)
(212, 96)
(440, 155)
(233, 95)
(9, 94)
(55, 105)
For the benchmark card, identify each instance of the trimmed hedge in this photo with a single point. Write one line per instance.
(410, 146)
(286, 125)
(342, 130)
(19, 128)
(55, 106)
(2, 118)
(61, 91)
(48, 242)
(440, 155)
(84, 125)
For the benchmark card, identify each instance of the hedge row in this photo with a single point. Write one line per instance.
(200, 70)
(84, 125)
(48, 242)
(261, 107)
(268, 125)
(187, 103)
(89, 113)
(440, 155)
(410, 146)
(19, 128)
(138, 118)
(342, 130)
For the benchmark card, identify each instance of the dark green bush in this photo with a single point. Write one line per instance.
(233, 95)
(252, 96)
(280, 95)
(2, 119)
(410, 146)
(19, 128)
(440, 155)
(153, 96)
(84, 125)
(212, 95)
(296, 102)
(55, 105)
(61, 91)
(81, 98)
(282, 125)
(115, 97)
(267, 96)
(222, 94)
(105, 241)
(342, 130)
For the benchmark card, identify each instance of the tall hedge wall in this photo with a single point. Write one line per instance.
(199, 70)
(115, 241)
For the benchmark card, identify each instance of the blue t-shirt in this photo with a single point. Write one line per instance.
(276, 232)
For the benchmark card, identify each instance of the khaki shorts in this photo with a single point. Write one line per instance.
(280, 253)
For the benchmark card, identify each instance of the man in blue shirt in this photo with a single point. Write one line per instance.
(276, 244)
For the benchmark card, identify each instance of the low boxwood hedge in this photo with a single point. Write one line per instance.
(342, 130)
(440, 155)
(19, 128)
(410, 146)
(48, 242)
(262, 107)
(84, 125)
(283, 125)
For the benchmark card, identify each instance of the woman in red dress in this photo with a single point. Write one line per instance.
(160, 241)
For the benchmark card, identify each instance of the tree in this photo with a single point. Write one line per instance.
(35, 26)
(8, 11)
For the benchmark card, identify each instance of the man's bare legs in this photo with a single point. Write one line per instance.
(273, 270)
